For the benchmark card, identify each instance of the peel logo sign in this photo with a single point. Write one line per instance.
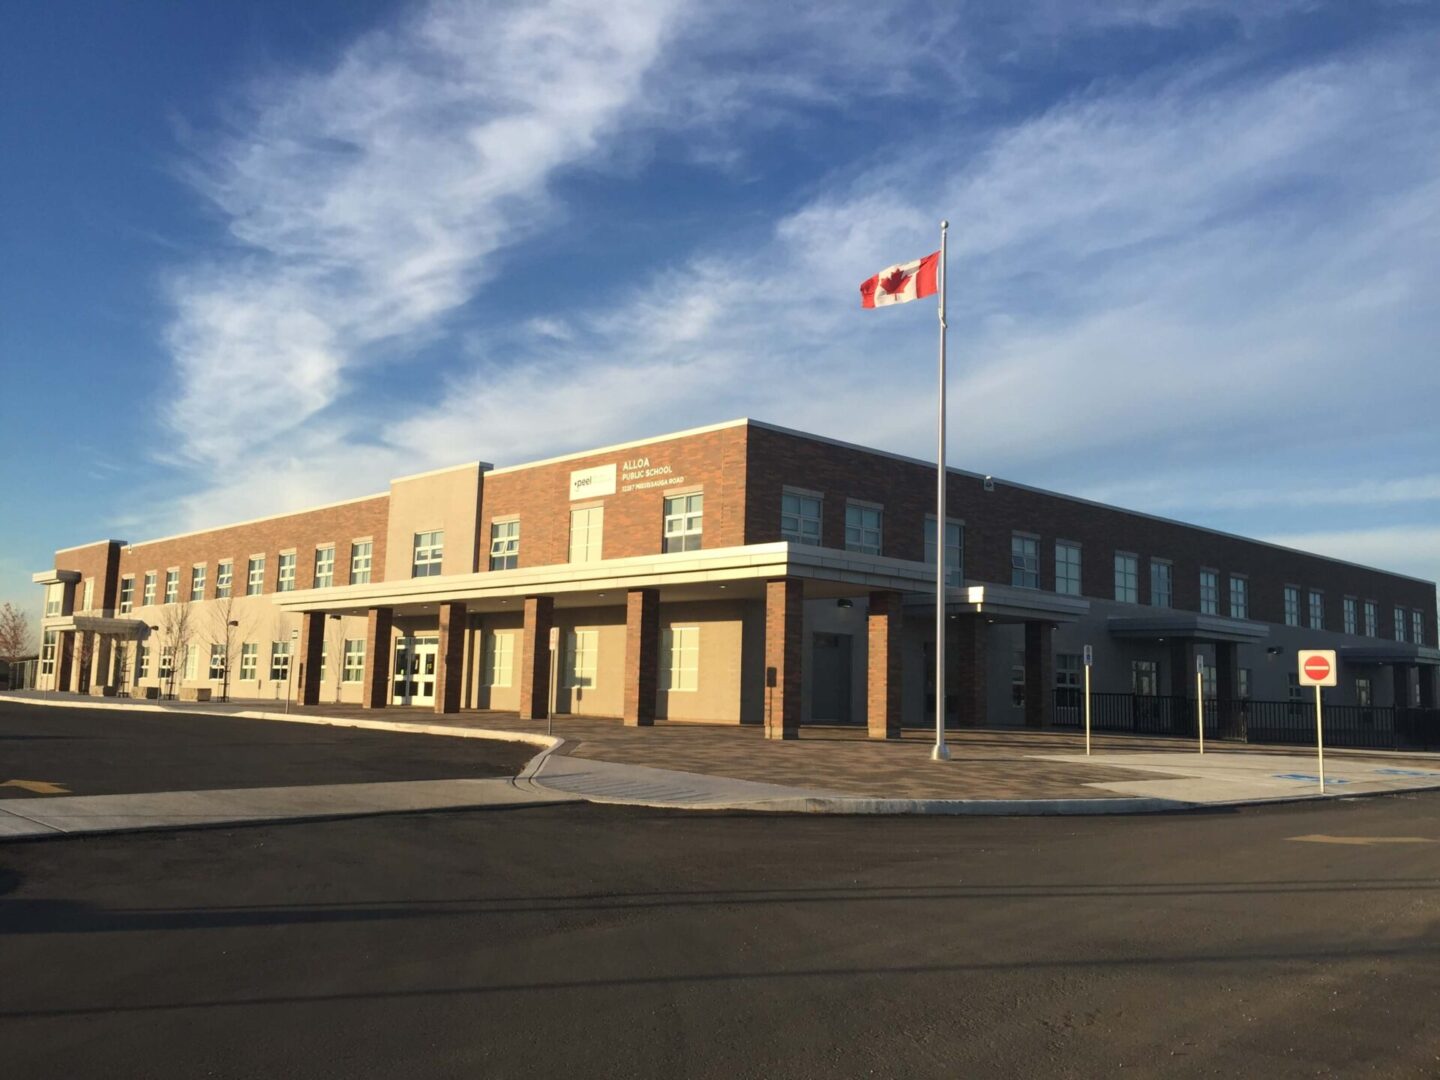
(592, 483)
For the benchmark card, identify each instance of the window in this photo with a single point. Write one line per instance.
(324, 659)
(89, 604)
(1144, 678)
(217, 660)
(1372, 619)
(1399, 624)
(127, 595)
(800, 518)
(142, 662)
(587, 528)
(148, 596)
(1364, 696)
(1239, 598)
(1067, 568)
(1024, 561)
(505, 545)
(224, 576)
(49, 643)
(279, 661)
(1017, 678)
(684, 522)
(192, 662)
(429, 551)
(167, 661)
(1069, 671)
(54, 595)
(863, 524)
(1351, 620)
(1162, 589)
(1417, 627)
(360, 557)
(285, 581)
(1292, 605)
(249, 660)
(1127, 578)
(325, 566)
(581, 647)
(1317, 610)
(255, 576)
(197, 584)
(353, 669)
(1209, 592)
(680, 658)
(499, 660)
(1242, 682)
(954, 550)
(1293, 687)
(172, 586)
(1209, 683)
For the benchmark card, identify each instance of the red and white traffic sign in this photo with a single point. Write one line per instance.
(1317, 667)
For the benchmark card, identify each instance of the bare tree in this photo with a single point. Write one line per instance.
(15, 639)
(122, 649)
(176, 630)
(84, 653)
(225, 629)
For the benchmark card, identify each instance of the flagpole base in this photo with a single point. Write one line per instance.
(940, 752)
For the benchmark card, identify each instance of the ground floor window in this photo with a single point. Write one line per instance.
(680, 658)
(1209, 682)
(249, 660)
(192, 662)
(582, 654)
(1017, 678)
(1144, 678)
(217, 660)
(1363, 696)
(499, 659)
(1069, 680)
(47, 652)
(279, 661)
(167, 661)
(142, 662)
(354, 669)
(1242, 683)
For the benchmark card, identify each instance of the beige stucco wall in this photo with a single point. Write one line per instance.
(448, 500)
(718, 694)
(607, 696)
(496, 697)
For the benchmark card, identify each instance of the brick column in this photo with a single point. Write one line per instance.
(1231, 716)
(642, 656)
(882, 684)
(535, 661)
(312, 647)
(449, 679)
(1427, 687)
(64, 659)
(784, 638)
(1039, 674)
(1182, 668)
(1402, 685)
(377, 657)
(965, 669)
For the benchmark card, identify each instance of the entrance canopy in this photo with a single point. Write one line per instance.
(1186, 626)
(1390, 652)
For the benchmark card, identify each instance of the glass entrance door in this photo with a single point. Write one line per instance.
(415, 664)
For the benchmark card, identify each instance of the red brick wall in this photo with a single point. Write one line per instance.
(98, 561)
(633, 519)
(907, 491)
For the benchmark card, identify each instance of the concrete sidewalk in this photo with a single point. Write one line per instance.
(840, 770)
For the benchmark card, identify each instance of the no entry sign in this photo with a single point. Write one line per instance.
(1317, 667)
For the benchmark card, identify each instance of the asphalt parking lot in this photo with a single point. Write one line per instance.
(113, 752)
(581, 940)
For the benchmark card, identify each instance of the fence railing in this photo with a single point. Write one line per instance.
(1373, 727)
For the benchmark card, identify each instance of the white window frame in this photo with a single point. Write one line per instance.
(198, 573)
(498, 661)
(680, 659)
(167, 661)
(1162, 597)
(1351, 615)
(505, 543)
(1068, 584)
(324, 566)
(582, 659)
(250, 661)
(352, 668)
(587, 533)
(280, 657)
(1127, 577)
(1417, 627)
(1399, 617)
(142, 662)
(864, 527)
(255, 576)
(1292, 605)
(1209, 591)
(147, 596)
(49, 647)
(1024, 560)
(224, 578)
(1315, 605)
(362, 557)
(285, 571)
(54, 599)
(797, 524)
(1239, 587)
(192, 663)
(428, 554)
(172, 585)
(684, 517)
(127, 594)
(89, 591)
(217, 660)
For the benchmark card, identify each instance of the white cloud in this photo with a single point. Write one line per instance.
(1407, 549)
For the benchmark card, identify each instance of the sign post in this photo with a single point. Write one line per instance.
(1317, 669)
(554, 679)
(290, 670)
(1200, 698)
(1089, 661)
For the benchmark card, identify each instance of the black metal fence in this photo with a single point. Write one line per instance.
(1371, 727)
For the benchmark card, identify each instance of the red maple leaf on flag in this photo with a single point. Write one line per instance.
(894, 282)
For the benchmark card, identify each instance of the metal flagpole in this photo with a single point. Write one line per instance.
(941, 752)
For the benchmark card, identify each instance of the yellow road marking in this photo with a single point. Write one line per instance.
(38, 787)
(1362, 841)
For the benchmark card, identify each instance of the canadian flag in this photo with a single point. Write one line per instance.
(900, 284)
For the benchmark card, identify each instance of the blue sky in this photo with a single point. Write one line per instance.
(264, 255)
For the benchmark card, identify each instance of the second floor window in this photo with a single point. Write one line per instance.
(800, 518)
(1209, 592)
(1372, 619)
(1025, 561)
(224, 576)
(148, 597)
(954, 550)
(197, 583)
(1317, 610)
(255, 576)
(55, 596)
(1067, 569)
(360, 557)
(1239, 598)
(863, 525)
(172, 586)
(127, 595)
(587, 533)
(429, 553)
(1127, 578)
(325, 566)
(1162, 593)
(1417, 627)
(1351, 616)
(684, 522)
(505, 544)
(285, 581)
(1292, 605)
(1399, 624)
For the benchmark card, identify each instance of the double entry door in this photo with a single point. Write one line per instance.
(415, 661)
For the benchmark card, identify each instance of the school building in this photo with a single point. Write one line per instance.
(740, 573)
